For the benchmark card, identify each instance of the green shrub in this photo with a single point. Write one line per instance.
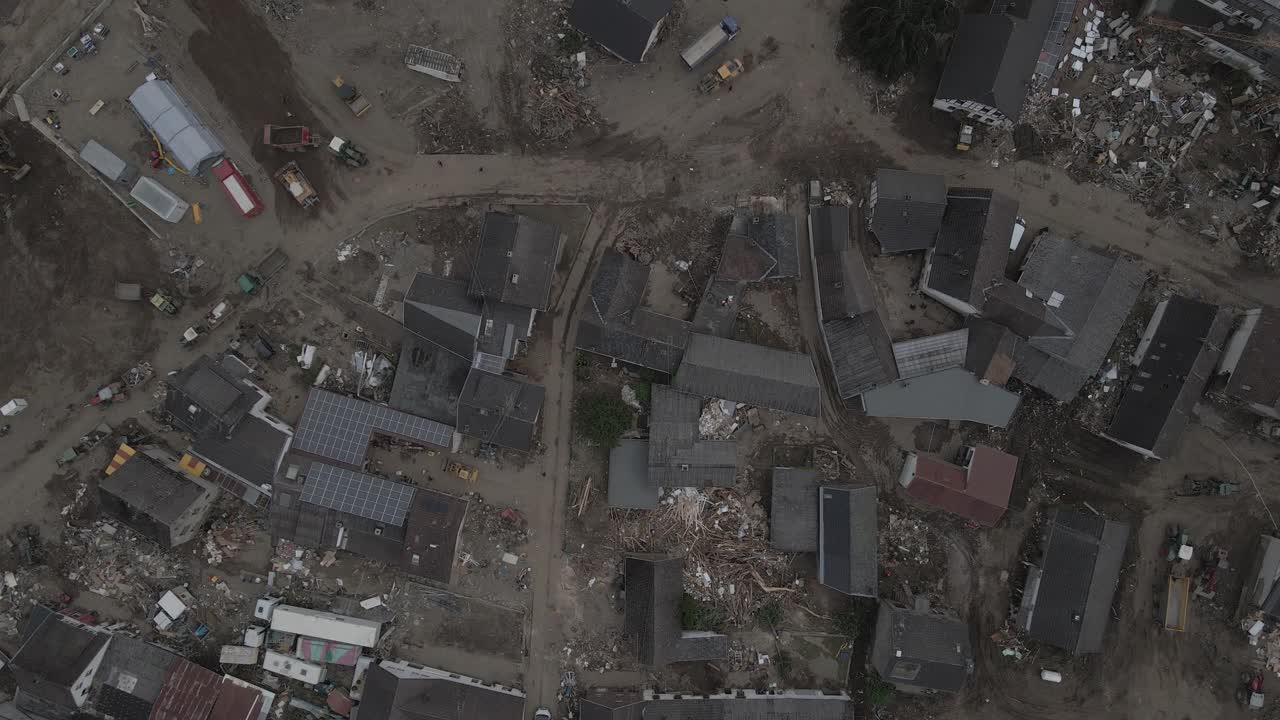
(891, 37)
(769, 616)
(697, 615)
(602, 417)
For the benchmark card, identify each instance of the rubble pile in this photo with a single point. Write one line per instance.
(911, 553)
(282, 10)
(450, 125)
(555, 105)
(1141, 114)
(728, 562)
(110, 560)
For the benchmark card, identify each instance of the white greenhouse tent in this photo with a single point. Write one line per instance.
(188, 141)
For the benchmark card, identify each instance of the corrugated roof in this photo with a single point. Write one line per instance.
(630, 485)
(952, 394)
(648, 340)
(217, 391)
(979, 493)
(188, 694)
(973, 245)
(991, 350)
(618, 287)
(252, 453)
(434, 696)
(931, 354)
(793, 510)
(751, 374)
(848, 540)
(1168, 382)
(1079, 572)
(440, 310)
(908, 209)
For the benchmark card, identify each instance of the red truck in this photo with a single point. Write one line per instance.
(237, 187)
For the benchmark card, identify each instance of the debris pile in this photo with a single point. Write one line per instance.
(449, 124)
(113, 561)
(554, 105)
(728, 563)
(282, 10)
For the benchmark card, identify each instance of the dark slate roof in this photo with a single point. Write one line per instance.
(751, 374)
(149, 488)
(1094, 293)
(993, 57)
(990, 352)
(623, 27)
(743, 260)
(215, 389)
(1256, 377)
(516, 260)
(431, 534)
(908, 209)
(847, 540)
(618, 287)
(1078, 574)
(759, 247)
(389, 697)
(1016, 308)
(973, 244)
(717, 312)
(678, 456)
(611, 705)
(502, 326)
(655, 585)
(951, 394)
(439, 309)
(130, 677)
(1168, 382)
(921, 650)
(775, 233)
(54, 651)
(630, 485)
(500, 409)
(793, 511)
(429, 380)
(252, 452)
(816, 707)
(856, 341)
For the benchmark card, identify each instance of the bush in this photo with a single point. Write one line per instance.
(696, 615)
(851, 622)
(644, 391)
(879, 692)
(769, 616)
(891, 37)
(782, 661)
(602, 417)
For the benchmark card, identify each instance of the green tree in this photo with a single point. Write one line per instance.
(696, 615)
(891, 37)
(769, 616)
(602, 417)
(879, 692)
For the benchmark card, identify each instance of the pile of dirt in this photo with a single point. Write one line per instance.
(450, 125)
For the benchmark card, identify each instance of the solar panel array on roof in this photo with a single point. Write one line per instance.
(339, 428)
(367, 496)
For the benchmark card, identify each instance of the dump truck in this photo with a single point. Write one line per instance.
(350, 95)
(710, 41)
(252, 280)
(291, 177)
(347, 152)
(290, 138)
(720, 76)
(1177, 603)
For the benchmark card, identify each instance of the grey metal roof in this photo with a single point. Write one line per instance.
(500, 409)
(921, 650)
(678, 456)
(793, 510)
(151, 489)
(516, 260)
(973, 245)
(655, 585)
(751, 374)
(623, 27)
(439, 309)
(252, 452)
(611, 705)
(952, 394)
(106, 162)
(1256, 376)
(54, 651)
(848, 540)
(1086, 296)
(1165, 387)
(629, 483)
(431, 534)
(993, 57)
(339, 428)
(389, 697)
(355, 493)
(908, 209)
(931, 354)
(429, 380)
(188, 141)
(649, 340)
(1078, 575)
(502, 326)
(860, 352)
(775, 233)
(1262, 585)
(618, 287)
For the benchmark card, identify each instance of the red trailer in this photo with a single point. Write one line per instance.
(237, 187)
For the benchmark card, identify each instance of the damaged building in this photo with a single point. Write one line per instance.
(714, 367)
(655, 586)
(977, 488)
(972, 248)
(147, 492)
(920, 649)
(905, 209)
(615, 326)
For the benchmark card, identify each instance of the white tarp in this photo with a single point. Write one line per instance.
(159, 200)
(326, 626)
(189, 142)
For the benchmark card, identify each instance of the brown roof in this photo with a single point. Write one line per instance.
(188, 694)
(431, 534)
(980, 494)
(236, 702)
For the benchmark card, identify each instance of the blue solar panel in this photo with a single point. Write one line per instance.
(339, 428)
(367, 496)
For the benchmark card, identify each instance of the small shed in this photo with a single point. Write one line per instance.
(108, 163)
(159, 200)
(189, 142)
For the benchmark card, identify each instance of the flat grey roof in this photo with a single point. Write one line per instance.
(629, 483)
(952, 394)
(751, 374)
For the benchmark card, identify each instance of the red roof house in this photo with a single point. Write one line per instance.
(978, 491)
